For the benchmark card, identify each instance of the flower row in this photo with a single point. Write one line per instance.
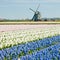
(50, 53)
(11, 38)
(28, 48)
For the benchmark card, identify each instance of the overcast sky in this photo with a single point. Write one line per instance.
(19, 9)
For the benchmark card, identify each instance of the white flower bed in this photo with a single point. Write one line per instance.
(12, 38)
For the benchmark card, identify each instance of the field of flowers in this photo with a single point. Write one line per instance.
(30, 44)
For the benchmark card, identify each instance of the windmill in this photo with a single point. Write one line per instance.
(37, 15)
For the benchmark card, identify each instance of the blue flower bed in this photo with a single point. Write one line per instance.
(24, 49)
(50, 53)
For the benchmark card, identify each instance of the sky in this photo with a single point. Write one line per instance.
(19, 9)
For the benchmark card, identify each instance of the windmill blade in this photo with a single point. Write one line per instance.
(32, 10)
(38, 7)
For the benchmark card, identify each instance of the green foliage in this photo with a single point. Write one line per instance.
(21, 54)
(30, 51)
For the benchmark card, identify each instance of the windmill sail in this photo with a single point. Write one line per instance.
(38, 7)
(32, 10)
(37, 14)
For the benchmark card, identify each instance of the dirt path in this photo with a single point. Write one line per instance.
(18, 27)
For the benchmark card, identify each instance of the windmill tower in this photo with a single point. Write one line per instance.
(37, 15)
